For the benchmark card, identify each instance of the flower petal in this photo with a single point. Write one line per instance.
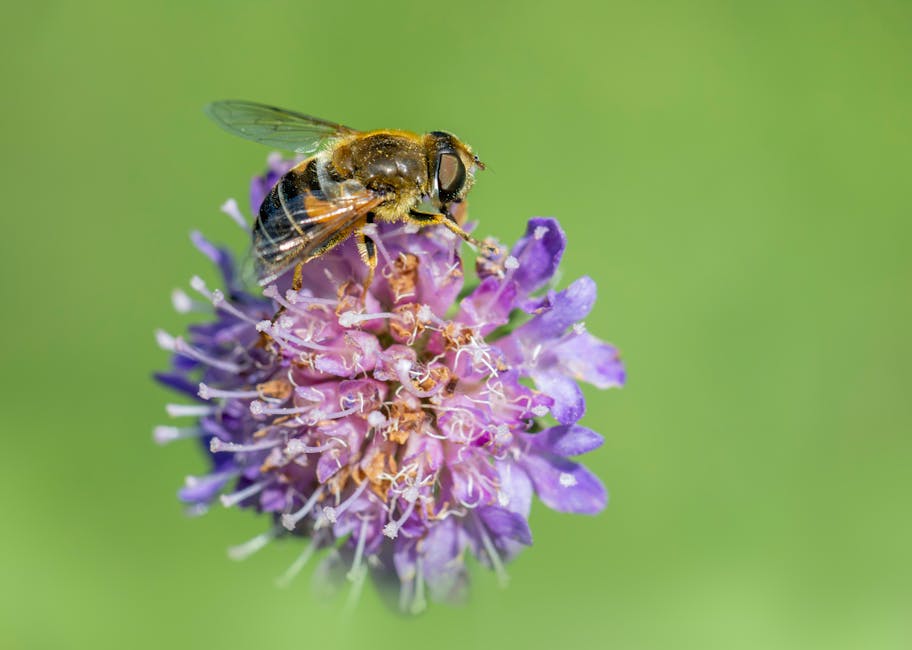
(506, 525)
(331, 462)
(569, 403)
(565, 440)
(352, 353)
(440, 278)
(203, 489)
(564, 485)
(273, 499)
(515, 486)
(442, 564)
(179, 383)
(591, 360)
(567, 307)
(539, 252)
(489, 305)
(219, 256)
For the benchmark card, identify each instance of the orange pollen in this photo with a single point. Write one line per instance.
(404, 276)
(276, 388)
(407, 326)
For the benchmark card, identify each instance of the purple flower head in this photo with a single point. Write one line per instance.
(399, 429)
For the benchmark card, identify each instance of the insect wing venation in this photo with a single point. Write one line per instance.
(275, 127)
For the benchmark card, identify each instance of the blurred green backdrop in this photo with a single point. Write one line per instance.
(733, 174)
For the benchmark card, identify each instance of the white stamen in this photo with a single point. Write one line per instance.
(251, 546)
(189, 410)
(165, 341)
(230, 207)
(199, 285)
(216, 445)
(291, 520)
(299, 298)
(308, 393)
(419, 604)
(196, 509)
(208, 392)
(184, 348)
(511, 263)
(355, 594)
(540, 411)
(347, 318)
(235, 498)
(283, 336)
(285, 579)
(182, 303)
(470, 489)
(503, 435)
(579, 328)
(391, 530)
(403, 369)
(165, 434)
(356, 568)
(196, 481)
(318, 415)
(480, 354)
(567, 480)
(261, 408)
(502, 578)
(411, 493)
(406, 586)
(540, 232)
(350, 318)
(425, 315)
(376, 419)
(384, 254)
(331, 514)
(220, 302)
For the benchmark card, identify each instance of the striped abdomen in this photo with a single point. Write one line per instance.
(305, 214)
(276, 221)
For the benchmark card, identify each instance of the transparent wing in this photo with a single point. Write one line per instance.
(275, 127)
(306, 227)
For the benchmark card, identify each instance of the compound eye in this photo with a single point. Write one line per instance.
(451, 175)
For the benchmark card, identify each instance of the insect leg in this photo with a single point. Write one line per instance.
(430, 218)
(368, 251)
(297, 280)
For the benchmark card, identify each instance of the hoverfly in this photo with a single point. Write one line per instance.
(351, 179)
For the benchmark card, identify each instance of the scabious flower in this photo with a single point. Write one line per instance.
(403, 429)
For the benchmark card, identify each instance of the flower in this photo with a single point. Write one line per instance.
(400, 429)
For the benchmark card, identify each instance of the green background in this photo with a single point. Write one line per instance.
(735, 176)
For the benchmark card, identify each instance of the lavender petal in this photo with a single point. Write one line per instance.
(564, 485)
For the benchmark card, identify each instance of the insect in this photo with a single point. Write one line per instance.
(351, 179)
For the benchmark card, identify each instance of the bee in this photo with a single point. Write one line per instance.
(350, 179)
